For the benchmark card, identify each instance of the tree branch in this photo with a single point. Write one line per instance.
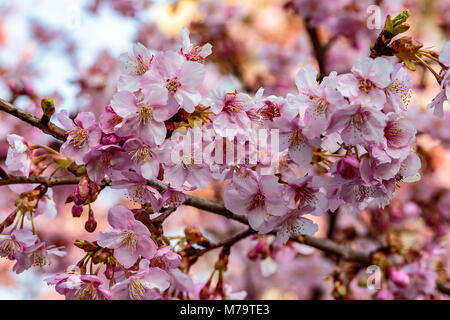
(228, 242)
(47, 181)
(48, 128)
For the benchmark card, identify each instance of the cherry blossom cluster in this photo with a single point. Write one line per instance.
(343, 140)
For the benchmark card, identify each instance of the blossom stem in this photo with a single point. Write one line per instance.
(428, 67)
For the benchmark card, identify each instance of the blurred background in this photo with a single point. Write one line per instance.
(68, 49)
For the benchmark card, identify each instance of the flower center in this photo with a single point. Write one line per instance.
(129, 240)
(304, 196)
(40, 259)
(320, 105)
(173, 84)
(257, 201)
(270, 111)
(296, 138)
(136, 290)
(365, 85)
(8, 247)
(105, 160)
(141, 66)
(137, 193)
(142, 154)
(145, 114)
(80, 138)
(86, 291)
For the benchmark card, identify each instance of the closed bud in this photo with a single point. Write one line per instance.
(77, 211)
(109, 272)
(91, 224)
(48, 106)
(348, 167)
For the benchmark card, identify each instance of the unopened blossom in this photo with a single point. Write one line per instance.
(14, 244)
(261, 198)
(367, 81)
(178, 78)
(84, 134)
(129, 238)
(191, 51)
(146, 284)
(132, 66)
(18, 157)
(79, 287)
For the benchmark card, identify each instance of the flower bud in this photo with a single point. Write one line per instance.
(81, 191)
(385, 294)
(110, 138)
(48, 108)
(77, 211)
(348, 167)
(399, 278)
(86, 245)
(109, 272)
(91, 224)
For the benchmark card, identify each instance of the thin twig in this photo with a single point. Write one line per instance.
(48, 128)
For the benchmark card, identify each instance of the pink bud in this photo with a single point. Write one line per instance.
(109, 272)
(110, 139)
(91, 224)
(399, 278)
(348, 167)
(385, 294)
(77, 211)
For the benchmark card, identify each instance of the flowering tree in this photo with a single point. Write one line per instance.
(340, 144)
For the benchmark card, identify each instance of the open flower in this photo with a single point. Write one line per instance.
(146, 284)
(16, 243)
(366, 84)
(178, 78)
(143, 115)
(132, 66)
(79, 287)
(129, 238)
(193, 52)
(84, 134)
(261, 198)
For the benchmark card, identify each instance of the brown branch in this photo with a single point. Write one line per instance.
(47, 181)
(48, 128)
(228, 242)
(319, 49)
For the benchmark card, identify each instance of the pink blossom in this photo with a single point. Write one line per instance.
(107, 160)
(38, 255)
(366, 84)
(177, 77)
(143, 115)
(146, 284)
(129, 238)
(318, 101)
(144, 158)
(191, 51)
(15, 244)
(261, 198)
(79, 287)
(18, 157)
(359, 125)
(132, 66)
(84, 134)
